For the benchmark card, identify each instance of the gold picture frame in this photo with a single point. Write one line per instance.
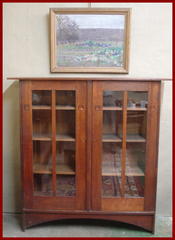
(90, 40)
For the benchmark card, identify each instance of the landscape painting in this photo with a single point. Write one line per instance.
(90, 41)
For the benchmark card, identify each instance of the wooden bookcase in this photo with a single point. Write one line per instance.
(89, 149)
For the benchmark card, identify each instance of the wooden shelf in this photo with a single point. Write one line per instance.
(41, 137)
(46, 107)
(111, 138)
(42, 169)
(135, 138)
(59, 137)
(65, 170)
(111, 164)
(129, 138)
(136, 109)
(65, 107)
(64, 138)
(120, 108)
(61, 169)
(112, 108)
(41, 107)
(134, 171)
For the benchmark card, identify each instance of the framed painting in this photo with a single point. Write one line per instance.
(90, 40)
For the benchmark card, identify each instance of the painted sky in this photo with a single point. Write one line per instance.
(98, 21)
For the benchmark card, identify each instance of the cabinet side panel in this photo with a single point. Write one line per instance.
(26, 142)
(152, 146)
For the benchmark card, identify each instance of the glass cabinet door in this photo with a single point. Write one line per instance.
(121, 147)
(58, 147)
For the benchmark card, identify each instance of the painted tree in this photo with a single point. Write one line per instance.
(67, 29)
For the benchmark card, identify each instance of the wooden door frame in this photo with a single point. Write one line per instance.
(148, 202)
(152, 146)
(37, 202)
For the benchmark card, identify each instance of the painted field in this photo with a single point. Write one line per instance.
(90, 54)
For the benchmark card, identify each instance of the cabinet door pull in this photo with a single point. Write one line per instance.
(98, 108)
(81, 107)
(26, 107)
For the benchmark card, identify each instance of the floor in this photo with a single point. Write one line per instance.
(83, 228)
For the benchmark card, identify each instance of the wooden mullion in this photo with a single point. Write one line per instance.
(89, 145)
(80, 142)
(123, 163)
(54, 141)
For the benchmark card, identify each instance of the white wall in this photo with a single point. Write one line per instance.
(26, 54)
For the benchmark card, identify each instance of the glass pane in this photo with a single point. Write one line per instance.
(112, 126)
(137, 100)
(136, 143)
(65, 98)
(42, 167)
(42, 145)
(41, 97)
(136, 126)
(41, 124)
(137, 116)
(112, 143)
(111, 169)
(135, 169)
(65, 125)
(65, 168)
(65, 136)
(112, 98)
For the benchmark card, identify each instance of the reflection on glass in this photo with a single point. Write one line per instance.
(137, 100)
(42, 167)
(65, 98)
(112, 125)
(111, 186)
(42, 158)
(65, 168)
(65, 158)
(66, 185)
(41, 97)
(41, 123)
(134, 187)
(42, 185)
(112, 98)
(42, 147)
(135, 159)
(136, 125)
(136, 143)
(65, 123)
(111, 169)
(65, 148)
(112, 143)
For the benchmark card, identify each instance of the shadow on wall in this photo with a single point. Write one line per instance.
(11, 150)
